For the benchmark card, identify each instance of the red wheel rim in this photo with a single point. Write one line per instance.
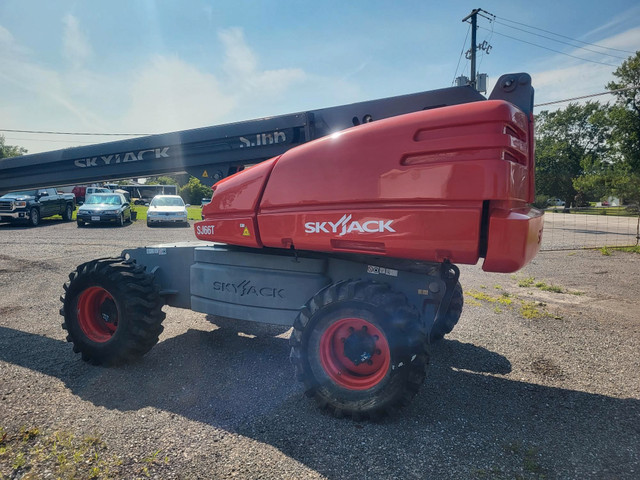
(97, 314)
(341, 368)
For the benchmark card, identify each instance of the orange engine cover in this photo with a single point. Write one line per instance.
(413, 186)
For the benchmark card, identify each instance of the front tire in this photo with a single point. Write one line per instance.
(112, 311)
(34, 217)
(359, 349)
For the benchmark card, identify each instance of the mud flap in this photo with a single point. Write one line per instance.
(449, 274)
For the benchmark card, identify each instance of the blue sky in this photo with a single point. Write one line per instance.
(150, 67)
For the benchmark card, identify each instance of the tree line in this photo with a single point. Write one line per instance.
(591, 151)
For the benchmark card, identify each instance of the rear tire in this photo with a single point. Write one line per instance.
(112, 311)
(67, 215)
(359, 349)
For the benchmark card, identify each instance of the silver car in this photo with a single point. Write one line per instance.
(167, 209)
(104, 208)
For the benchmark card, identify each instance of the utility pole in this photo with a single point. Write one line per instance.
(474, 26)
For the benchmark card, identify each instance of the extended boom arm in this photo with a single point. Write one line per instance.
(212, 153)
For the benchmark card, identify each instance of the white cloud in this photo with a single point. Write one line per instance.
(242, 69)
(616, 22)
(170, 94)
(165, 93)
(77, 48)
(573, 78)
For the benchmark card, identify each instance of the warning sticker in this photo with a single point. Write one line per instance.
(246, 233)
(374, 270)
(205, 174)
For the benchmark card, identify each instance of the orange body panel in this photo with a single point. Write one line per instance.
(413, 186)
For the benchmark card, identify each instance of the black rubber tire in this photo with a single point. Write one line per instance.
(451, 317)
(139, 310)
(67, 215)
(120, 221)
(391, 314)
(80, 223)
(34, 217)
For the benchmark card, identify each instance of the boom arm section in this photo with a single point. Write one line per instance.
(212, 153)
(209, 153)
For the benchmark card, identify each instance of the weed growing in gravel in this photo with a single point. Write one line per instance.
(635, 249)
(530, 310)
(531, 282)
(605, 251)
(502, 299)
(531, 468)
(526, 282)
(30, 453)
(527, 309)
(549, 288)
(531, 461)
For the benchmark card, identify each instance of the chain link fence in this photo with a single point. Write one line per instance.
(590, 227)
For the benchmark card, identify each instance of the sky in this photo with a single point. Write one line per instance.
(142, 66)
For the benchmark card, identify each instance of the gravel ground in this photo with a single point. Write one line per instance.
(551, 390)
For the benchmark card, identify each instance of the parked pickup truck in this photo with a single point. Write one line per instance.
(30, 206)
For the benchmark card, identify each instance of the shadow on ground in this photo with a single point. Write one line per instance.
(468, 418)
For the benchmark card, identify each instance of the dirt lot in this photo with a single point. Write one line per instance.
(541, 379)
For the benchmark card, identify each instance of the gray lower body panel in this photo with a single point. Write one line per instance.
(253, 286)
(271, 286)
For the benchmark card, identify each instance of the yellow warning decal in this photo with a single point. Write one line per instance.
(205, 174)
(246, 232)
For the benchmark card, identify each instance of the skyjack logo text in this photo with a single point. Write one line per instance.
(346, 225)
(152, 153)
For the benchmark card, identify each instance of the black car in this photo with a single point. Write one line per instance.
(104, 208)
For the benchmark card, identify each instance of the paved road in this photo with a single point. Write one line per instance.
(507, 396)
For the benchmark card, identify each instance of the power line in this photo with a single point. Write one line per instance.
(76, 133)
(464, 44)
(46, 141)
(587, 96)
(610, 92)
(560, 41)
(564, 36)
(488, 39)
(552, 50)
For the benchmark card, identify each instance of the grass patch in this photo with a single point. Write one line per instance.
(530, 282)
(529, 461)
(607, 250)
(531, 310)
(526, 309)
(30, 453)
(501, 299)
(526, 282)
(193, 212)
(549, 288)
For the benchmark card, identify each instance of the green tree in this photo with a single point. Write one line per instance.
(626, 115)
(194, 191)
(619, 173)
(566, 141)
(163, 180)
(7, 151)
